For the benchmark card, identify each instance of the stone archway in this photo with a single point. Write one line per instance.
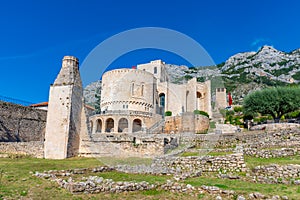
(109, 125)
(99, 126)
(199, 102)
(123, 125)
(136, 125)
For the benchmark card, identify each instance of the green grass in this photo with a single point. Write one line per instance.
(243, 187)
(212, 153)
(212, 124)
(17, 182)
(187, 153)
(125, 161)
(120, 176)
(253, 161)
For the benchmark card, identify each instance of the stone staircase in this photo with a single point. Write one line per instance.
(157, 127)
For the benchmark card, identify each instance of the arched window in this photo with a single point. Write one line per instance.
(99, 126)
(109, 125)
(155, 70)
(199, 95)
(123, 124)
(136, 125)
(162, 100)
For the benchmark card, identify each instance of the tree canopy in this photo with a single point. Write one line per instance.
(273, 101)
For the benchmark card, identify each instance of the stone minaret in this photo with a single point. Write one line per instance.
(64, 112)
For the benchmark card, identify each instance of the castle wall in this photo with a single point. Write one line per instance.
(183, 98)
(187, 122)
(174, 97)
(33, 148)
(19, 123)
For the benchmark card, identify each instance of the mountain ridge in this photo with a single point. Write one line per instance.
(247, 70)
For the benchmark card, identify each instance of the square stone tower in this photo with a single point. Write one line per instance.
(64, 112)
(221, 100)
(157, 68)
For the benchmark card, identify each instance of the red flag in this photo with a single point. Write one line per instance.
(229, 99)
(133, 67)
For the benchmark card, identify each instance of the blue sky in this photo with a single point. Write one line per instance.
(35, 35)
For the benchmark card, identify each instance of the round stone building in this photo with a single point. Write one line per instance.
(128, 101)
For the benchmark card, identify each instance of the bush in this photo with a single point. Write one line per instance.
(168, 113)
(294, 114)
(238, 109)
(200, 112)
(223, 112)
(202, 132)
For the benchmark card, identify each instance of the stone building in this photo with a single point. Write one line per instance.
(136, 99)
(133, 105)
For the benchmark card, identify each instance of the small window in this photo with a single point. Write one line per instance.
(155, 70)
(132, 89)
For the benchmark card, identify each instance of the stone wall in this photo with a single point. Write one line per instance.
(34, 148)
(273, 173)
(122, 145)
(194, 164)
(21, 124)
(263, 139)
(188, 122)
(275, 126)
(271, 153)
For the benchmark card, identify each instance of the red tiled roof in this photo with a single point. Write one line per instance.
(39, 104)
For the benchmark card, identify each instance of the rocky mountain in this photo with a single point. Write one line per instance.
(92, 94)
(244, 72)
(240, 74)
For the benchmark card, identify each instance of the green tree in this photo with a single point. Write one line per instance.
(273, 101)
(98, 99)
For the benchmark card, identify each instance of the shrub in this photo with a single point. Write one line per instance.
(294, 114)
(202, 132)
(168, 113)
(200, 112)
(238, 109)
